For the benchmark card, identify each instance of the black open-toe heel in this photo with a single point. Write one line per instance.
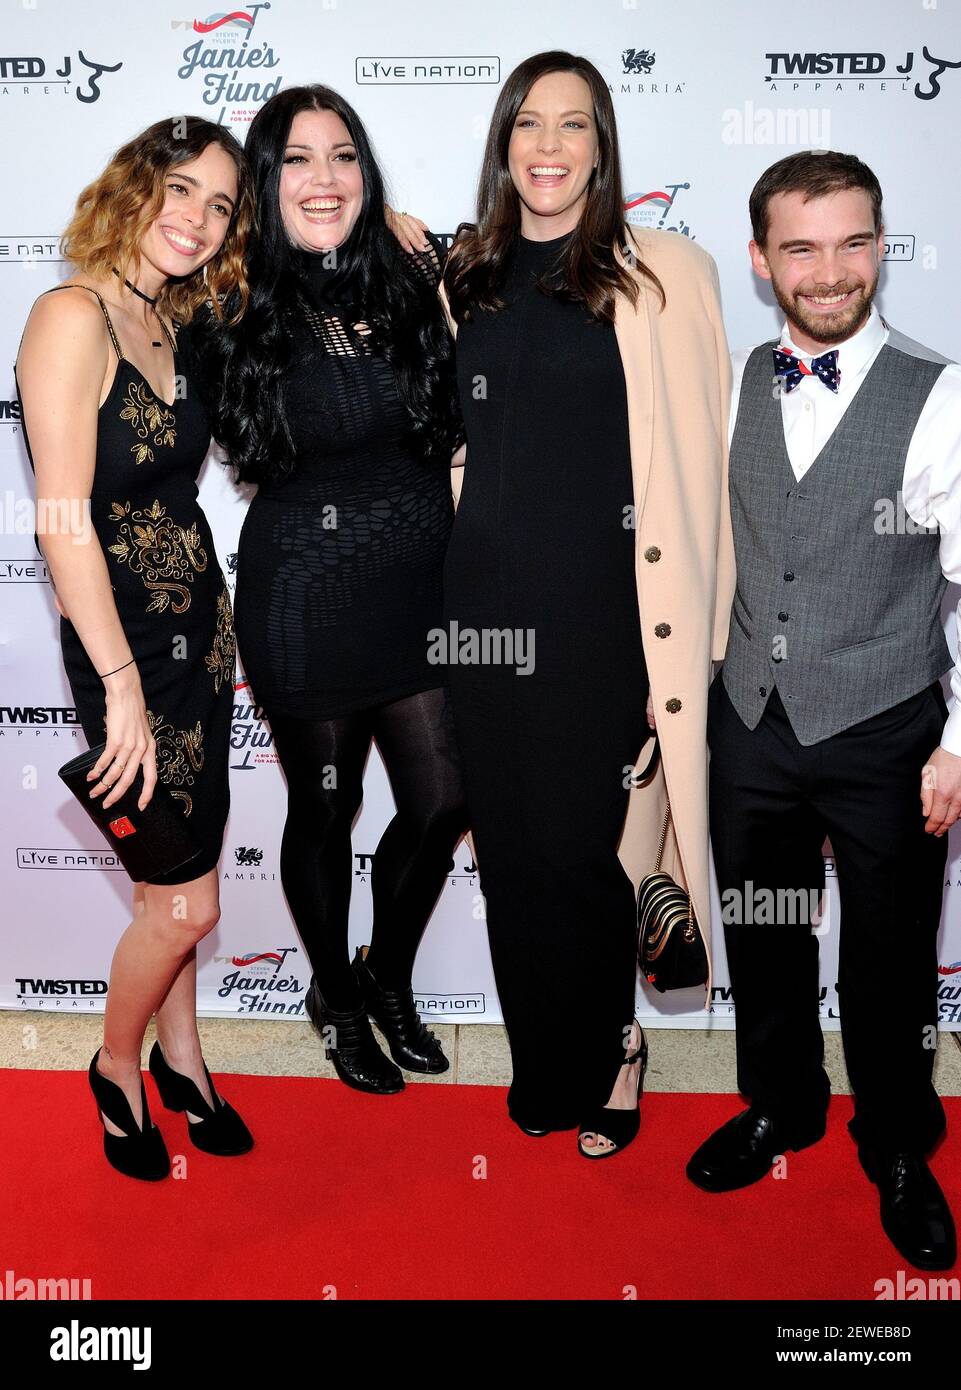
(350, 1044)
(411, 1044)
(140, 1152)
(220, 1130)
(619, 1127)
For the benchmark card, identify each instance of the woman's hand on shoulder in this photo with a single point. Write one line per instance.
(409, 230)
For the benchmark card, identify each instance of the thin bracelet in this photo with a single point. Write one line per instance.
(119, 668)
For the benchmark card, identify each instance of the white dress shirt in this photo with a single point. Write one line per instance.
(931, 487)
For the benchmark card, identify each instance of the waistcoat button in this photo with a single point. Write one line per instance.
(652, 554)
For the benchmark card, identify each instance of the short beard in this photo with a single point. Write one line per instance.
(828, 328)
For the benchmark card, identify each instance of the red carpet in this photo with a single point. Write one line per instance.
(376, 1197)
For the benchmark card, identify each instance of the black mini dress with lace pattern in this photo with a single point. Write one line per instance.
(339, 565)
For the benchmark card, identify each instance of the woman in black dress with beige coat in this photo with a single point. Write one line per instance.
(592, 524)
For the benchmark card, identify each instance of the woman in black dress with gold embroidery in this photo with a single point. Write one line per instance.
(117, 430)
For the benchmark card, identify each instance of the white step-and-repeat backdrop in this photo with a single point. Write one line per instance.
(706, 96)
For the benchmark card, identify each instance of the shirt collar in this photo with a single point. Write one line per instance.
(854, 353)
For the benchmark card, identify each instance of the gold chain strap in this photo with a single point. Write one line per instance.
(660, 855)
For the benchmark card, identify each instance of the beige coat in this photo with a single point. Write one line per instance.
(677, 371)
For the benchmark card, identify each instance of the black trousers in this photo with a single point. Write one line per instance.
(773, 801)
(545, 759)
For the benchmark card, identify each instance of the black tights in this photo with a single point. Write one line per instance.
(323, 760)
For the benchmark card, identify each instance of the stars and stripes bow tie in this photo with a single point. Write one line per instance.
(791, 370)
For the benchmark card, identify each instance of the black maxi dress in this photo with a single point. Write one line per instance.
(540, 547)
(171, 595)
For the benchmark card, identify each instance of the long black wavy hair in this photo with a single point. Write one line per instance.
(243, 366)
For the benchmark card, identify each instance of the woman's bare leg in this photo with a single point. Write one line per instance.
(145, 964)
(177, 1027)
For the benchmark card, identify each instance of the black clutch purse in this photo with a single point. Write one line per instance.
(148, 842)
(670, 947)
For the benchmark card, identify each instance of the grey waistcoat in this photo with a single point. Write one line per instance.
(839, 593)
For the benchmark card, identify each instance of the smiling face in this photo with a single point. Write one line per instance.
(552, 154)
(321, 186)
(199, 201)
(823, 259)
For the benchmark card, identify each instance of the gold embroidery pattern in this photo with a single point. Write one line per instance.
(222, 655)
(180, 755)
(151, 419)
(165, 555)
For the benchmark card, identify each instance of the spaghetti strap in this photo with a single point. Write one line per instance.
(110, 328)
(173, 345)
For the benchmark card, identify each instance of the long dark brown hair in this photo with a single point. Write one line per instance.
(589, 271)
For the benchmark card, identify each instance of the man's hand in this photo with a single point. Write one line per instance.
(941, 791)
(408, 230)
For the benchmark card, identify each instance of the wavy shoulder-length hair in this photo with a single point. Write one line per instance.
(589, 271)
(115, 211)
(244, 367)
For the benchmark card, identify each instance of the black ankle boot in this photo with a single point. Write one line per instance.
(411, 1044)
(220, 1130)
(140, 1151)
(350, 1044)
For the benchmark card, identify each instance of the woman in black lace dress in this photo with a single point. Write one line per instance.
(336, 394)
(117, 430)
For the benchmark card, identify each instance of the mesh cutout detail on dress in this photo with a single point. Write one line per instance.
(336, 616)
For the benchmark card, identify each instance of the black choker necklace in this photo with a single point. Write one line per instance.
(133, 288)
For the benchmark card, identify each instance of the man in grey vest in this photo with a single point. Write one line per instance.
(827, 717)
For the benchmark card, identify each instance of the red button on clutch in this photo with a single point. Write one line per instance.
(122, 826)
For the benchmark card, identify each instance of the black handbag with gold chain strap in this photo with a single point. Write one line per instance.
(670, 948)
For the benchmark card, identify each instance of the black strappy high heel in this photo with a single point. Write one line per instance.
(619, 1127)
(140, 1152)
(220, 1130)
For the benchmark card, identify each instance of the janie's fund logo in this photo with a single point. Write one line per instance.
(229, 67)
(656, 209)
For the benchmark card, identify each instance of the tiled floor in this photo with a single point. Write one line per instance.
(680, 1059)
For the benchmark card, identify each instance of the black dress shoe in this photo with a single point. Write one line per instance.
(742, 1151)
(411, 1044)
(914, 1214)
(218, 1129)
(350, 1044)
(534, 1133)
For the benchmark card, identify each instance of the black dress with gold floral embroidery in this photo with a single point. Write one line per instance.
(170, 594)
